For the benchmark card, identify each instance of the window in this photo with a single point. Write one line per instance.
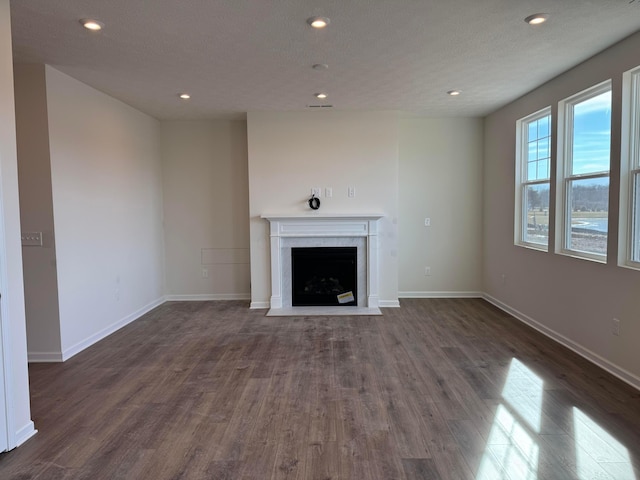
(629, 247)
(532, 180)
(584, 152)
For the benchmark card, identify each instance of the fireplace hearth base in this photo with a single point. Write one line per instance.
(322, 311)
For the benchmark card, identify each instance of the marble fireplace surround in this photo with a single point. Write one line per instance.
(320, 230)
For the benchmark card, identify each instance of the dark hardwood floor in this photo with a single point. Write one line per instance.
(438, 389)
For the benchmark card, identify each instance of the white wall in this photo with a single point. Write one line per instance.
(441, 179)
(572, 300)
(289, 153)
(206, 209)
(14, 345)
(36, 212)
(107, 199)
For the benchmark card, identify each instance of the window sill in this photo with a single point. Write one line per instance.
(630, 265)
(533, 246)
(590, 257)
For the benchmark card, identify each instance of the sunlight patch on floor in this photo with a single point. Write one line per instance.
(511, 446)
(597, 452)
(523, 389)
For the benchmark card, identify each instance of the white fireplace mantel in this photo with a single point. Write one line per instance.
(291, 229)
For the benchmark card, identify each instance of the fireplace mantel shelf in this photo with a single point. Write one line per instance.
(323, 216)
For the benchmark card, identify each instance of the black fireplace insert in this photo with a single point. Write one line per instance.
(324, 276)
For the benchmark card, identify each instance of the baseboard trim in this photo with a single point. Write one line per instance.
(585, 353)
(24, 434)
(440, 294)
(259, 305)
(105, 332)
(388, 304)
(207, 297)
(44, 357)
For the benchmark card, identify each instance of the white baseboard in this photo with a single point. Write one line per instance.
(96, 337)
(207, 297)
(44, 357)
(258, 305)
(594, 358)
(445, 294)
(389, 304)
(24, 434)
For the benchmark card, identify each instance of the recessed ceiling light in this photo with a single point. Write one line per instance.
(184, 96)
(537, 18)
(318, 22)
(320, 95)
(454, 93)
(91, 24)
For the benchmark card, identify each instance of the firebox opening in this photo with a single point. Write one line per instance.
(324, 276)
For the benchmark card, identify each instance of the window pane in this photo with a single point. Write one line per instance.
(589, 215)
(538, 148)
(532, 133)
(635, 222)
(543, 148)
(536, 204)
(592, 135)
(543, 126)
(532, 152)
(543, 169)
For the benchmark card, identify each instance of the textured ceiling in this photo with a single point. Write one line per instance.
(235, 56)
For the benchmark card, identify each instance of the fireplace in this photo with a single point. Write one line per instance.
(324, 276)
(357, 232)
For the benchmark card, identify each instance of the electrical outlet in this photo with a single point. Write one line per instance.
(427, 222)
(205, 272)
(31, 239)
(315, 191)
(351, 192)
(615, 327)
(328, 192)
(427, 271)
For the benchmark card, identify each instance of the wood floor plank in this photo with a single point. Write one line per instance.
(354, 459)
(322, 461)
(420, 469)
(291, 454)
(444, 389)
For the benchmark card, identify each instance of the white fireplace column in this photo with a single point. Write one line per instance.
(359, 230)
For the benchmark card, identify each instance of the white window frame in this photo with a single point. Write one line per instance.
(629, 228)
(522, 184)
(564, 176)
